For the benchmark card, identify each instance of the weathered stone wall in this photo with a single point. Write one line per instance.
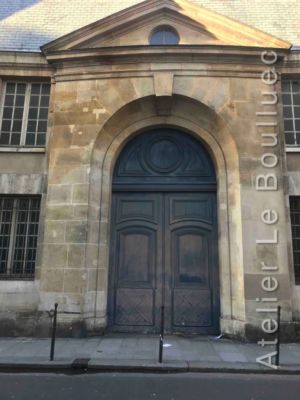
(94, 111)
(23, 173)
(92, 120)
(75, 252)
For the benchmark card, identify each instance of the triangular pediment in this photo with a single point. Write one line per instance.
(196, 26)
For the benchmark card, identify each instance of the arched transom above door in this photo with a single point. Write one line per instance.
(164, 156)
(164, 236)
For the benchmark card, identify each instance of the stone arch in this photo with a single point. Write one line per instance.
(203, 123)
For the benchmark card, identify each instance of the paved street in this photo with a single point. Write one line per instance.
(137, 351)
(149, 387)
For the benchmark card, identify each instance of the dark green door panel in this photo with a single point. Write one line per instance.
(163, 248)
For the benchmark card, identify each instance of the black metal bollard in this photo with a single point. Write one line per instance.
(161, 337)
(53, 332)
(278, 337)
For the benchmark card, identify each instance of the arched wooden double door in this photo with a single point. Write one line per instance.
(164, 237)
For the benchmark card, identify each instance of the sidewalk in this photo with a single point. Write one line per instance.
(140, 354)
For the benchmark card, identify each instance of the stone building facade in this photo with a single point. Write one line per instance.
(189, 77)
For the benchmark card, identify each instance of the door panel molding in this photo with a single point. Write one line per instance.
(164, 241)
(175, 262)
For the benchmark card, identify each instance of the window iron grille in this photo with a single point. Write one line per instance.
(295, 222)
(19, 219)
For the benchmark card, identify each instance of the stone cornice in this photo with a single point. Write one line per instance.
(291, 63)
(24, 63)
(195, 53)
(129, 61)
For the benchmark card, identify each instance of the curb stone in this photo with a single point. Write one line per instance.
(142, 366)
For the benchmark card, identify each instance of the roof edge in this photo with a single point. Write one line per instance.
(201, 15)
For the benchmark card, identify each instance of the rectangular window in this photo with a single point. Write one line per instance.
(24, 114)
(295, 220)
(19, 219)
(291, 112)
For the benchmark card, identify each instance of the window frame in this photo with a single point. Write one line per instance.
(28, 83)
(290, 148)
(161, 28)
(10, 275)
(294, 250)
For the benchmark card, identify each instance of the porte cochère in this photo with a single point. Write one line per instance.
(164, 236)
(130, 150)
